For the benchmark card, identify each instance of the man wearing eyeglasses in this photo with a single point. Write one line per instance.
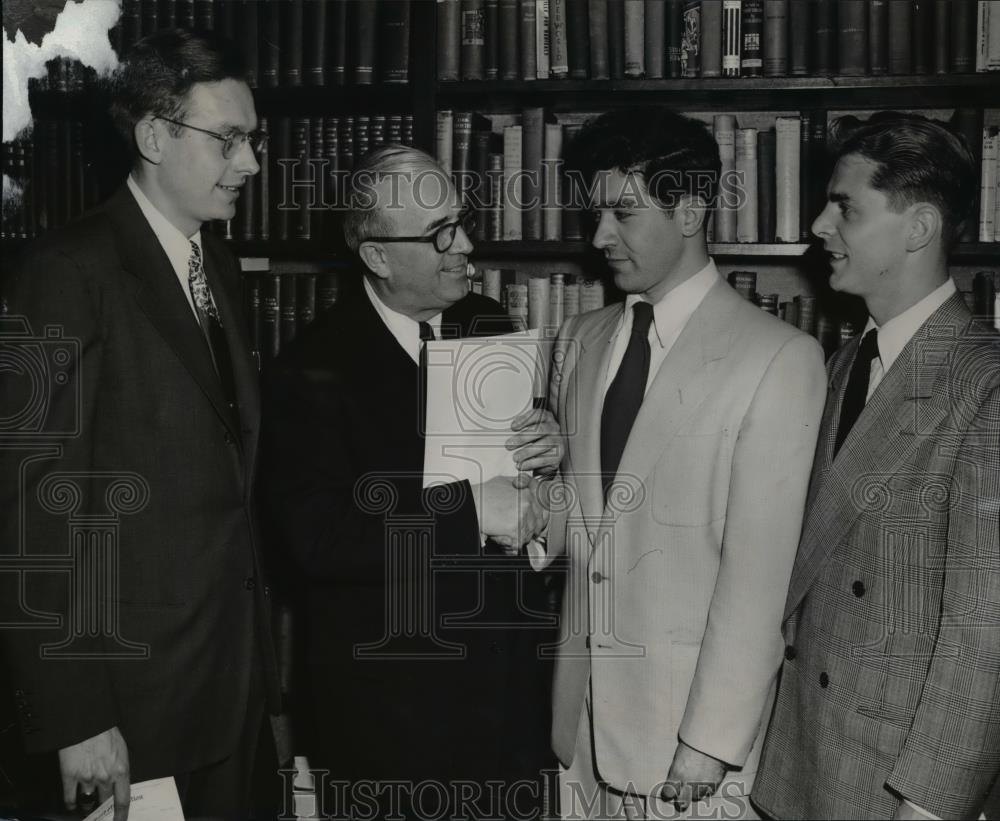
(171, 661)
(427, 698)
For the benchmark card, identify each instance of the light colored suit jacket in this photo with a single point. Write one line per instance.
(893, 616)
(673, 605)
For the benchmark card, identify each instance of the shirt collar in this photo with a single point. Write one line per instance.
(898, 331)
(174, 243)
(676, 306)
(405, 329)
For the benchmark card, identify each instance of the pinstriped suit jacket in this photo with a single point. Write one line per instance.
(891, 683)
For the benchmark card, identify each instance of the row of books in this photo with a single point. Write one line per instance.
(989, 196)
(55, 180)
(280, 306)
(654, 39)
(540, 301)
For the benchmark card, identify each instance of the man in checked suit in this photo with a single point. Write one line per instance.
(887, 706)
(157, 659)
(689, 446)
(422, 690)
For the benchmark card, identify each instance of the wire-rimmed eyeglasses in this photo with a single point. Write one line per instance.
(443, 238)
(232, 142)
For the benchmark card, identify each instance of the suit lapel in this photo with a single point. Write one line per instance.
(908, 404)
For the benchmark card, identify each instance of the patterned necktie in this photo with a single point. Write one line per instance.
(211, 325)
(625, 394)
(856, 392)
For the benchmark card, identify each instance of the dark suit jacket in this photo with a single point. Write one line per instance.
(133, 429)
(892, 673)
(343, 462)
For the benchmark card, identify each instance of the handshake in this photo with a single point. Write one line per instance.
(511, 509)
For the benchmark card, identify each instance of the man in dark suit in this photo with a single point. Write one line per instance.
(887, 706)
(149, 653)
(420, 637)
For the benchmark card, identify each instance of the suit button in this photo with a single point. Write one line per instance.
(229, 438)
(267, 591)
(790, 653)
(596, 577)
(858, 588)
(250, 583)
(824, 680)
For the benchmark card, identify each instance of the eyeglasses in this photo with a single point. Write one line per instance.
(443, 238)
(231, 143)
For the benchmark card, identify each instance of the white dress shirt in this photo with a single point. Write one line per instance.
(670, 315)
(175, 245)
(898, 331)
(405, 329)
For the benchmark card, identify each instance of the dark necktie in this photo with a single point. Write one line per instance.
(211, 325)
(625, 393)
(856, 392)
(426, 334)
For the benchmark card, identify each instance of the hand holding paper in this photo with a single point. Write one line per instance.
(510, 515)
(537, 443)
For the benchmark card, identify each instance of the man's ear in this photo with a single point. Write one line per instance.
(690, 214)
(147, 140)
(925, 225)
(374, 257)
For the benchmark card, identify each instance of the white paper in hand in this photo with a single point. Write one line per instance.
(475, 387)
(155, 800)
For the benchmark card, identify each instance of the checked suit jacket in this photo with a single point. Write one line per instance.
(891, 683)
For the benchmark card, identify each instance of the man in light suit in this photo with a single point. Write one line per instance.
(136, 619)
(689, 447)
(888, 700)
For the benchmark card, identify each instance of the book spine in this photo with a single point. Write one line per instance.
(288, 308)
(901, 39)
(824, 36)
(494, 216)
(765, 185)
(724, 128)
(805, 166)
(491, 283)
(337, 14)
(752, 29)
(983, 296)
(982, 35)
(491, 39)
(327, 288)
(988, 184)
(571, 297)
(572, 215)
(270, 317)
(448, 39)
(941, 36)
(532, 144)
(270, 46)
(786, 165)
(799, 37)
(597, 34)
(775, 38)
(552, 189)
(185, 14)
(345, 144)
(578, 38)
(513, 182)
(204, 15)
(510, 23)
(963, 36)
(461, 150)
(365, 36)
(674, 38)
(921, 47)
(541, 39)
(168, 14)
(747, 227)
(819, 168)
(394, 44)
(262, 185)
(314, 59)
(558, 40)
(150, 16)
(517, 305)
(691, 39)
(473, 39)
(654, 41)
(302, 173)
(878, 37)
(992, 25)
(291, 43)
(528, 24)
(591, 295)
(481, 139)
(852, 42)
(711, 38)
(247, 35)
(557, 299)
(635, 38)
(538, 302)
(731, 37)
(445, 125)
(131, 24)
(616, 39)
(305, 301)
(253, 308)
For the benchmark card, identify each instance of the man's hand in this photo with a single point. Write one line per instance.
(100, 762)
(693, 776)
(537, 444)
(509, 514)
